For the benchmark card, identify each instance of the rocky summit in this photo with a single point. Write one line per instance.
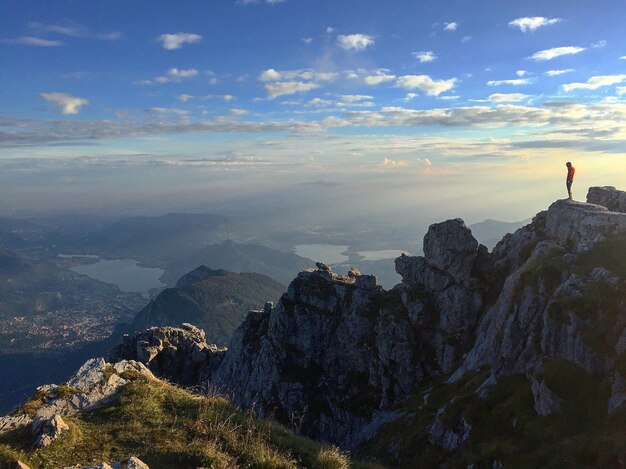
(509, 358)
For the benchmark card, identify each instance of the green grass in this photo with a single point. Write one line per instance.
(168, 427)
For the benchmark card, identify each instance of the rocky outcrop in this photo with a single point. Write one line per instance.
(46, 431)
(338, 352)
(94, 385)
(581, 224)
(608, 197)
(180, 355)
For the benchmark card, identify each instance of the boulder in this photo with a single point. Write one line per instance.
(450, 247)
(180, 355)
(582, 225)
(608, 197)
(47, 431)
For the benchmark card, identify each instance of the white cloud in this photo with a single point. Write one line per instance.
(319, 102)
(73, 29)
(172, 75)
(554, 73)
(183, 98)
(623, 57)
(307, 40)
(514, 82)
(176, 41)
(303, 74)
(182, 73)
(283, 88)
(532, 23)
(424, 56)
(356, 42)
(389, 163)
(549, 54)
(466, 38)
(599, 44)
(228, 97)
(167, 110)
(31, 41)
(66, 103)
(620, 90)
(426, 84)
(353, 98)
(450, 26)
(269, 75)
(238, 112)
(595, 82)
(381, 76)
(521, 73)
(507, 97)
(448, 98)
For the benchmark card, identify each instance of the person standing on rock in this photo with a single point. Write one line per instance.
(570, 178)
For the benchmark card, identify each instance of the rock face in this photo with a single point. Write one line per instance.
(338, 353)
(180, 355)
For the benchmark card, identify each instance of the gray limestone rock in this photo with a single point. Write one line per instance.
(546, 401)
(608, 197)
(450, 439)
(180, 355)
(46, 431)
(450, 247)
(582, 224)
(136, 463)
(94, 385)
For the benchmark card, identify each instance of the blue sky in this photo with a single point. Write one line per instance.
(466, 92)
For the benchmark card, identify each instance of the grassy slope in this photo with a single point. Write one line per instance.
(168, 427)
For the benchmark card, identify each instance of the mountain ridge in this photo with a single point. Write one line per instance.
(515, 357)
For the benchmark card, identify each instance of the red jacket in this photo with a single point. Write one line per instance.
(570, 173)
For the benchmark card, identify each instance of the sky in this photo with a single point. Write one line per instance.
(329, 109)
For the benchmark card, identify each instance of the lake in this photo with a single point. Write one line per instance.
(380, 255)
(127, 274)
(335, 254)
(326, 253)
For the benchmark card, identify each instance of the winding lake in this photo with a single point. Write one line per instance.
(127, 274)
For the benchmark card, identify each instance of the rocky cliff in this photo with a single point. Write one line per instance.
(338, 356)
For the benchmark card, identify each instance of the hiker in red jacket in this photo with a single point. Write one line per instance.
(570, 178)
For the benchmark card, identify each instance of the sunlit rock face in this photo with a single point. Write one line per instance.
(338, 354)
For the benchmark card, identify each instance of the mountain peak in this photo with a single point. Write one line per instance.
(199, 274)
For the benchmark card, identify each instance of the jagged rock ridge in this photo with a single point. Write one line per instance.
(338, 354)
